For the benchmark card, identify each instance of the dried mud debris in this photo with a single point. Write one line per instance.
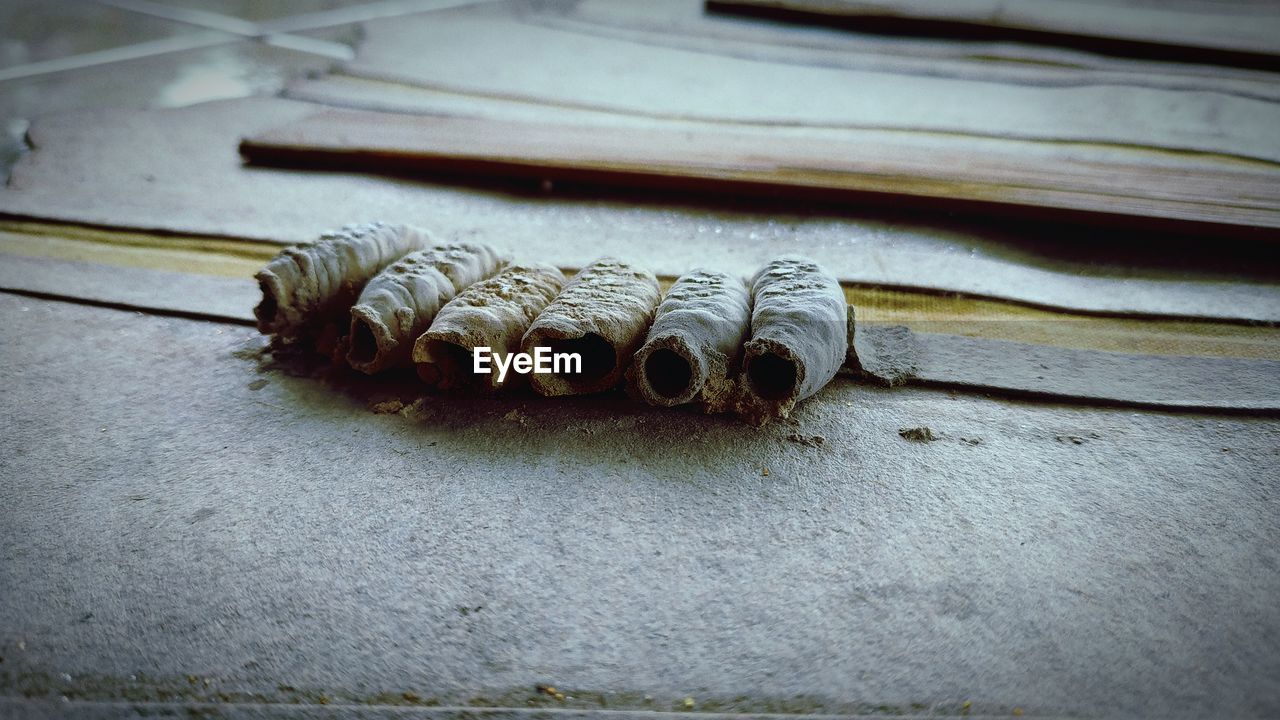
(550, 691)
(387, 407)
(1073, 439)
(922, 434)
(886, 355)
(813, 441)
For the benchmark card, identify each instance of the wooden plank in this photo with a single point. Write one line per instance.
(1219, 201)
(683, 24)
(1233, 33)
(494, 52)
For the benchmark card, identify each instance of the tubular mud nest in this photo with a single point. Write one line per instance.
(379, 296)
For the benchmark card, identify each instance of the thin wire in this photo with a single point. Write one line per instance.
(235, 26)
(228, 30)
(150, 48)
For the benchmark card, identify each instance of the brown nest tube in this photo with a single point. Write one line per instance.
(692, 350)
(493, 313)
(799, 337)
(601, 316)
(307, 290)
(399, 304)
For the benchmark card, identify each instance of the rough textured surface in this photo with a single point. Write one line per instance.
(399, 303)
(1158, 380)
(883, 354)
(799, 337)
(228, 299)
(493, 313)
(692, 349)
(307, 287)
(601, 314)
(205, 510)
(894, 355)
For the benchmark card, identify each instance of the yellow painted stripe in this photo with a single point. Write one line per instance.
(920, 311)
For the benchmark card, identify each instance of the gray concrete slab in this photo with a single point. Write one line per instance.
(188, 520)
(206, 297)
(33, 33)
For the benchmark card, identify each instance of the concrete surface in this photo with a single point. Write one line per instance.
(35, 34)
(189, 527)
(189, 520)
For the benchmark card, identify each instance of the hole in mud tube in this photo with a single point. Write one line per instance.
(267, 309)
(667, 372)
(456, 365)
(772, 377)
(598, 358)
(363, 345)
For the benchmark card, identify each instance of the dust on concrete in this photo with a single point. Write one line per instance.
(1071, 439)
(813, 441)
(922, 434)
(198, 693)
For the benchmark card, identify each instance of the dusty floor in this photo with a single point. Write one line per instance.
(66, 55)
(263, 527)
(191, 525)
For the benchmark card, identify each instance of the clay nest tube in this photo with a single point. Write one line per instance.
(693, 347)
(308, 288)
(494, 314)
(399, 304)
(601, 316)
(799, 337)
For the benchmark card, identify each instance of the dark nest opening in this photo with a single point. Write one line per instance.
(598, 357)
(668, 373)
(772, 376)
(267, 309)
(364, 346)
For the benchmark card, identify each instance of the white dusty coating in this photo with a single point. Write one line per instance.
(308, 287)
(799, 336)
(691, 353)
(602, 314)
(493, 313)
(400, 302)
